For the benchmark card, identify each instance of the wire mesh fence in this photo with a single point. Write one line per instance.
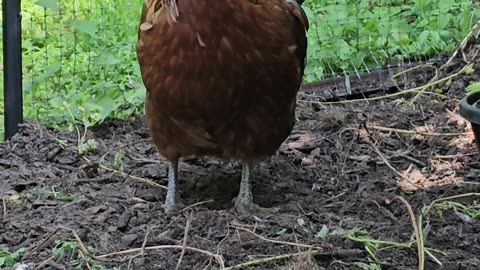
(79, 58)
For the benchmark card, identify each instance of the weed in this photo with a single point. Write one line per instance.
(367, 266)
(466, 212)
(473, 87)
(60, 195)
(8, 259)
(117, 162)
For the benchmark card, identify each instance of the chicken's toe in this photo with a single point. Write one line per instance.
(252, 208)
(173, 207)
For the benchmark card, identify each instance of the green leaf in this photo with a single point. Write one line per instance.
(48, 4)
(136, 96)
(8, 259)
(323, 232)
(309, 13)
(107, 105)
(50, 70)
(281, 232)
(106, 59)
(86, 27)
(474, 87)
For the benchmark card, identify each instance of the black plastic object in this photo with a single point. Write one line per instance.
(470, 110)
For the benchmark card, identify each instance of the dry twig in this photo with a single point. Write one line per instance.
(50, 235)
(185, 237)
(145, 241)
(140, 179)
(44, 263)
(414, 132)
(416, 231)
(277, 241)
(272, 259)
(217, 257)
(385, 160)
(196, 204)
(4, 207)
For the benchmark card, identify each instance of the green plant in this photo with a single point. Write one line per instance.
(59, 195)
(473, 87)
(371, 245)
(65, 250)
(117, 162)
(8, 259)
(347, 36)
(367, 266)
(74, 253)
(466, 212)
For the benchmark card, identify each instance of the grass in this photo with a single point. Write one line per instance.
(79, 57)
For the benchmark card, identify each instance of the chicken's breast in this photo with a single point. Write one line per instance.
(221, 75)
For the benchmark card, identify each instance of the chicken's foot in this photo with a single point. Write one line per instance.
(244, 201)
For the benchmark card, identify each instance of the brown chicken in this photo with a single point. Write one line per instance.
(221, 79)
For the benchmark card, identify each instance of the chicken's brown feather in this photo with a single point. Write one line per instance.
(222, 77)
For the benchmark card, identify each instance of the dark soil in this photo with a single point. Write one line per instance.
(329, 174)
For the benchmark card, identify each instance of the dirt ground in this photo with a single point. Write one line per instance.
(332, 188)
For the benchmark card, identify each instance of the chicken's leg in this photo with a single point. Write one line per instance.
(171, 202)
(244, 202)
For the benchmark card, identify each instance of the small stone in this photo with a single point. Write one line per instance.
(123, 221)
(307, 161)
(301, 222)
(129, 239)
(23, 267)
(140, 206)
(96, 209)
